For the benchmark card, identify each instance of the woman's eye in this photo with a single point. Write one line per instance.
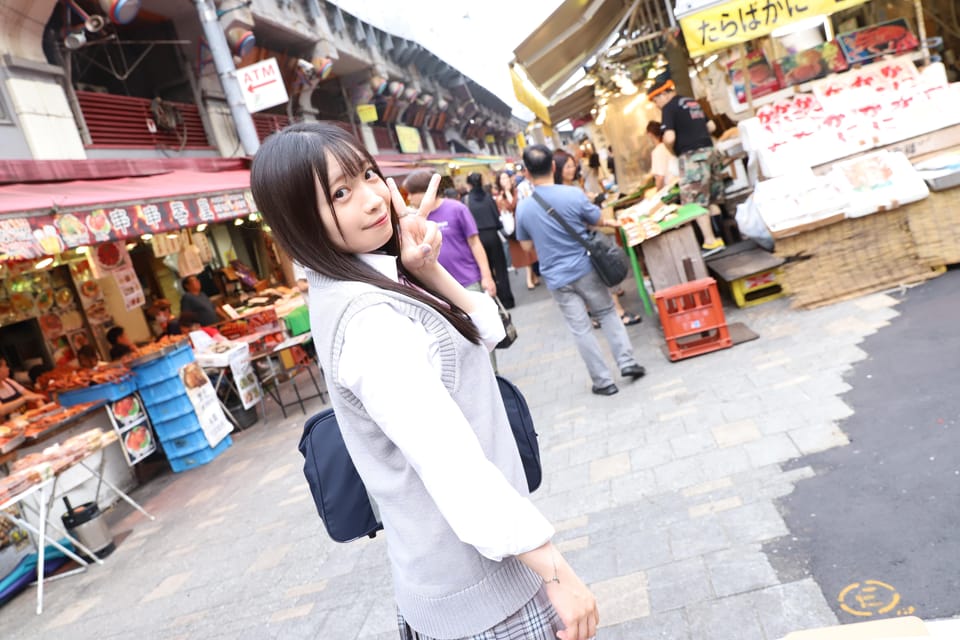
(340, 194)
(370, 174)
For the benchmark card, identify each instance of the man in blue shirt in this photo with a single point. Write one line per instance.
(567, 270)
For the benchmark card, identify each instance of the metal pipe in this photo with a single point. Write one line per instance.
(673, 18)
(922, 32)
(223, 61)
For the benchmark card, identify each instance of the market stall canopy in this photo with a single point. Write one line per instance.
(575, 104)
(709, 25)
(574, 32)
(48, 218)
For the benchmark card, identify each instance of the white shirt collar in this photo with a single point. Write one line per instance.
(383, 263)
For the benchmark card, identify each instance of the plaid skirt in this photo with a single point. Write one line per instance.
(536, 620)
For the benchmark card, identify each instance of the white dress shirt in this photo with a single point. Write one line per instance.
(391, 363)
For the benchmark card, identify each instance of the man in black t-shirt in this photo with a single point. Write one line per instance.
(687, 130)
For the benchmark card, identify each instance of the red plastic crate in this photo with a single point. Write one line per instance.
(692, 318)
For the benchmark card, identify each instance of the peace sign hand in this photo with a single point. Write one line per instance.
(420, 239)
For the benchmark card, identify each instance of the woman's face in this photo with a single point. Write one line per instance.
(505, 182)
(361, 208)
(569, 170)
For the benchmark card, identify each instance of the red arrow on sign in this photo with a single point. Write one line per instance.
(252, 87)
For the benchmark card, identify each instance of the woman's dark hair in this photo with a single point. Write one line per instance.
(655, 129)
(475, 180)
(513, 187)
(113, 334)
(284, 177)
(560, 158)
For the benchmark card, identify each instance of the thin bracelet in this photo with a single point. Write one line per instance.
(556, 577)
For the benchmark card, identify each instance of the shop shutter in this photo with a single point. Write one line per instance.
(125, 122)
(267, 123)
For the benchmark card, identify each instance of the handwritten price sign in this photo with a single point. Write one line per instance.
(741, 20)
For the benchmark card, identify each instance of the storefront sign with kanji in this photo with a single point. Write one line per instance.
(31, 237)
(739, 21)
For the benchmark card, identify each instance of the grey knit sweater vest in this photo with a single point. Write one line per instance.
(444, 588)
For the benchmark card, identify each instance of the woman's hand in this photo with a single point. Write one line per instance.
(420, 239)
(576, 607)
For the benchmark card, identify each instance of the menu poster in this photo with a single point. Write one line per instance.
(112, 258)
(759, 72)
(133, 430)
(205, 403)
(245, 379)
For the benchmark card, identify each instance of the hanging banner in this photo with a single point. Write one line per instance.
(731, 23)
(35, 236)
(409, 139)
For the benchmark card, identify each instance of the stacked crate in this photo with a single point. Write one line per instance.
(171, 412)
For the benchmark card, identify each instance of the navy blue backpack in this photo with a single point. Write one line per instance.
(338, 492)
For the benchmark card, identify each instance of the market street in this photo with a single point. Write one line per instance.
(667, 497)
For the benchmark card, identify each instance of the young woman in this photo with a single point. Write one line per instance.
(507, 203)
(404, 348)
(13, 396)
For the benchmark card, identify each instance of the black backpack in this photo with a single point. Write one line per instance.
(338, 492)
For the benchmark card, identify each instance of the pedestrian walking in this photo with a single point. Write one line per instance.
(487, 215)
(507, 203)
(404, 346)
(567, 269)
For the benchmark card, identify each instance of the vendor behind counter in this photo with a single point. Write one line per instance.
(13, 396)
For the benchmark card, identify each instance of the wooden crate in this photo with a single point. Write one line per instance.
(664, 256)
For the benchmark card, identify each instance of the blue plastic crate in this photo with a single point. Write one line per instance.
(170, 409)
(161, 391)
(176, 427)
(197, 458)
(184, 445)
(109, 391)
(164, 367)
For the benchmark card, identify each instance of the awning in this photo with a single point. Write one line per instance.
(572, 33)
(575, 104)
(723, 24)
(48, 218)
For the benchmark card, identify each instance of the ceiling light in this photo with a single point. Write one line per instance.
(253, 217)
(82, 250)
(238, 222)
(131, 245)
(146, 237)
(43, 264)
(173, 236)
(202, 227)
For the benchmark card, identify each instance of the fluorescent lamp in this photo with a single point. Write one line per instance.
(43, 264)
(202, 227)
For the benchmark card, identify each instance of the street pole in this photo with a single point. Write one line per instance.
(223, 61)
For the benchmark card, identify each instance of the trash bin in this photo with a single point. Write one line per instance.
(86, 524)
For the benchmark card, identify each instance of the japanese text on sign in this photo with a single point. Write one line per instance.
(742, 20)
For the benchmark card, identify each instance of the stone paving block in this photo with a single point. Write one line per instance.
(660, 432)
(730, 618)
(678, 584)
(792, 607)
(623, 598)
(593, 564)
(738, 570)
(651, 455)
(691, 444)
(638, 551)
(671, 625)
(573, 477)
(608, 468)
(678, 474)
(716, 506)
(697, 537)
(754, 522)
(723, 462)
(771, 449)
(708, 487)
(818, 437)
(734, 433)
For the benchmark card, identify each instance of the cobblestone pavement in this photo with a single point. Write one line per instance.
(662, 496)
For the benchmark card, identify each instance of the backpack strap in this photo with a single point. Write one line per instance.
(432, 322)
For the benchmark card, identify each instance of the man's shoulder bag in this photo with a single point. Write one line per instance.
(608, 259)
(347, 511)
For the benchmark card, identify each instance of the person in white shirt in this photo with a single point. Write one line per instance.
(664, 166)
(404, 347)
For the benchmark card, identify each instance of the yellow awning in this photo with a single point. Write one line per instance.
(575, 104)
(528, 95)
(728, 23)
